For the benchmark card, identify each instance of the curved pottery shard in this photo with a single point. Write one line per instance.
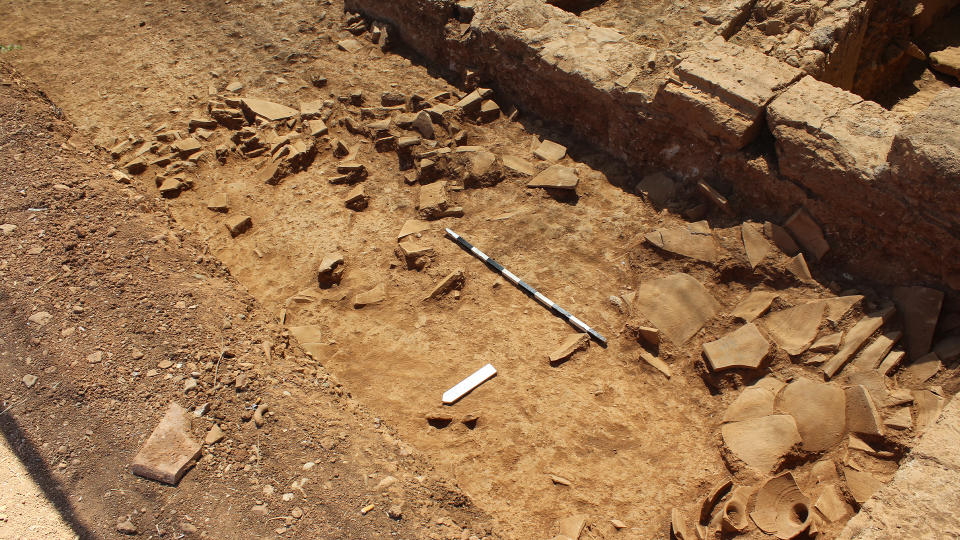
(678, 526)
(735, 510)
(794, 329)
(744, 348)
(781, 508)
(678, 305)
(820, 411)
(761, 442)
(753, 402)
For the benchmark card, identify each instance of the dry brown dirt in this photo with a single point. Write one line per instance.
(162, 276)
(117, 277)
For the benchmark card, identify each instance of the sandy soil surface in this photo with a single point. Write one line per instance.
(110, 312)
(25, 511)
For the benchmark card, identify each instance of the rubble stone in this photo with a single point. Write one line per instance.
(238, 225)
(946, 61)
(356, 199)
(218, 202)
(268, 110)
(550, 151)
(556, 177)
(808, 233)
(722, 90)
(415, 254)
(349, 45)
(433, 200)
(330, 271)
(454, 280)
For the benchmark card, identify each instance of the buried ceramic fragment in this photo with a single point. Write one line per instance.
(798, 267)
(694, 240)
(753, 402)
(874, 353)
(755, 304)
(465, 386)
(762, 442)
(862, 414)
(862, 485)
(706, 520)
(781, 508)
(710, 501)
(831, 505)
(929, 406)
(855, 338)
(819, 410)
(920, 310)
(891, 362)
(856, 443)
(678, 526)
(794, 329)
(572, 527)
(838, 306)
(734, 516)
(755, 243)
(828, 343)
(900, 419)
(771, 383)
(745, 347)
(678, 305)
(656, 363)
(874, 383)
(921, 369)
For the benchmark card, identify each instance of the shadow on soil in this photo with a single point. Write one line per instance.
(27, 453)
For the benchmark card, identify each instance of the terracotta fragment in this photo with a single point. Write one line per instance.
(744, 348)
(761, 442)
(819, 410)
(755, 304)
(794, 329)
(781, 509)
(678, 305)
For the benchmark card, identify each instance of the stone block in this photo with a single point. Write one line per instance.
(925, 157)
(825, 135)
(722, 90)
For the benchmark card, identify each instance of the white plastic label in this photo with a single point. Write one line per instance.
(468, 384)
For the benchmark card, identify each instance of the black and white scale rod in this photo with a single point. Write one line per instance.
(547, 303)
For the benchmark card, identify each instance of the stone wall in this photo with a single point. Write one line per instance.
(921, 500)
(885, 192)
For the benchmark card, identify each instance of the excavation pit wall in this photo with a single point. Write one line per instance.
(885, 188)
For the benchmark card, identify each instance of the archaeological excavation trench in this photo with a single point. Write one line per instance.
(755, 202)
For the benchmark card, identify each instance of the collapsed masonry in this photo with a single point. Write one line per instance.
(778, 137)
